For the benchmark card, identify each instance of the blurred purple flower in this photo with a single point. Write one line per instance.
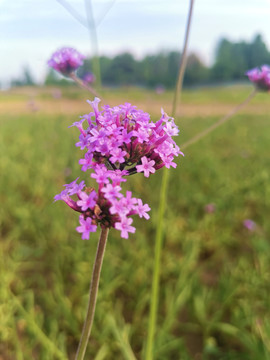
(249, 224)
(66, 60)
(210, 208)
(260, 77)
(89, 78)
(160, 89)
(56, 93)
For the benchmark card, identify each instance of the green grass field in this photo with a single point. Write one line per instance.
(215, 280)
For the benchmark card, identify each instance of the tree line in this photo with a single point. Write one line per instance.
(232, 60)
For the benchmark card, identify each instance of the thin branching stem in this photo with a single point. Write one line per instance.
(162, 206)
(92, 295)
(94, 40)
(183, 63)
(221, 121)
(73, 12)
(80, 18)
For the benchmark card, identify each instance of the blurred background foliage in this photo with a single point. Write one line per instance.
(214, 298)
(161, 69)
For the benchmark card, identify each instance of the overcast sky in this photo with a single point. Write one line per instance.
(30, 30)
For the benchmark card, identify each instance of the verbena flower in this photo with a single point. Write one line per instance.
(249, 224)
(119, 141)
(123, 137)
(66, 60)
(107, 207)
(260, 77)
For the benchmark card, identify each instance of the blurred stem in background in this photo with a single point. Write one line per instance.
(220, 121)
(92, 294)
(94, 41)
(91, 25)
(162, 206)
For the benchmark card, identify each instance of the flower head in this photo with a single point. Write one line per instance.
(119, 141)
(124, 138)
(66, 60)
(260, 77)
(107, 207)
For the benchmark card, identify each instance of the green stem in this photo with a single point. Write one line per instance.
(92, 295)
(94, 41)
(156, 274)
(162, 206)
(219, 122)
(183, 63)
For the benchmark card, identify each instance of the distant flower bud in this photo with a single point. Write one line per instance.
(260, 77)
(66, 60)
(249, 224)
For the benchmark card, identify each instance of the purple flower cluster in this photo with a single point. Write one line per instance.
(66, 60)
(123, 137)
(119, 141)
(107, 207)
(260, 77)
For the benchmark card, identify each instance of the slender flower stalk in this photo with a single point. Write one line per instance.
(92, 294)
(94, 40)
(162, 205)
(66, 61)
(221, 121)
(84, 85)
(183, 62)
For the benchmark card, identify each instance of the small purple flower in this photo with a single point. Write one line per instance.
(210, 208)
(160, 89)
(86, 227)
(70, 189)
(101, 174)
(66, 60)
(107, 207)
(249, 224)
(124, 227)
(142, 209)
(260, 77)
(146, 167)
(118, 155)
(111, 192)
(87, 201)
(89, 78)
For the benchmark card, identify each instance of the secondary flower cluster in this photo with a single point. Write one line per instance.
(123, 137)
(107, 207)
(119, 141)
(66, 60)
(260, 77)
